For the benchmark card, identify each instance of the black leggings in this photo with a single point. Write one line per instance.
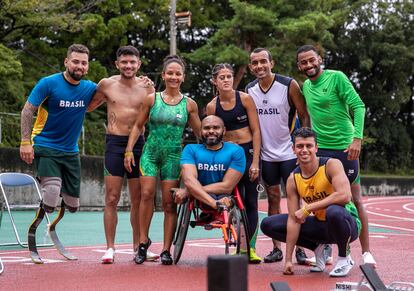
(339, 228)
(248, 190)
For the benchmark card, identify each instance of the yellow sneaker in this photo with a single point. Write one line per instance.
(254, 258)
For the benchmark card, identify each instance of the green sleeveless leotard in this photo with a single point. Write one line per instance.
(162, 151)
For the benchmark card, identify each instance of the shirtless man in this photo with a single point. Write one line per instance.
(123, 94)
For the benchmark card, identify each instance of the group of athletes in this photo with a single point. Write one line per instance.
(260, 121)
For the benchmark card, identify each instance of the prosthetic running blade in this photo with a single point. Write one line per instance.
(31, 236)
(55, 239)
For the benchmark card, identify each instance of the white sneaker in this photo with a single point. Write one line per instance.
(151, 257)
(342, 267)
(328, 257)
(108, 257)
(368, 259)
(319, 259)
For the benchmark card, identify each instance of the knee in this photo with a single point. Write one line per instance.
(334, 212)
(47, 208)
(266, 225)
(147, 196)
(169, 207)
(273, 193)
(356, 195)
(358, 202)
(50, 192)
(71, 209)
(112, 199)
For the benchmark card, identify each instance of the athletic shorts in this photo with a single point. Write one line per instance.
(164, 161)
(53, 163)
(115, 153)
(273, 172)
(351, 167)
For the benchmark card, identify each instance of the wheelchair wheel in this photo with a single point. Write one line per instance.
(233, 231)
(240, 238)
(184, 214)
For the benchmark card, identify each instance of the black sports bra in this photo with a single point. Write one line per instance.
(235, 118)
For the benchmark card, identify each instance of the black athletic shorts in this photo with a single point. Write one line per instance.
(273, 172)
(115, 153)
(351, 167)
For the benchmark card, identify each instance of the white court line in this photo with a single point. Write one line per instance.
(4, 252)
(392, 227)
(28, 261)
(372, 199)
(406, 207)
(385, 215)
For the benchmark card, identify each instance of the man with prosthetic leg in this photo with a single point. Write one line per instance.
(61, 101)
(322, 184)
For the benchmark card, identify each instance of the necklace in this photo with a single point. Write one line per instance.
(172, 99)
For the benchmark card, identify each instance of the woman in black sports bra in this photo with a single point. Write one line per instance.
(238, 111)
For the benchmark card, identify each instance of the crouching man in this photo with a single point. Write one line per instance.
(328, 215)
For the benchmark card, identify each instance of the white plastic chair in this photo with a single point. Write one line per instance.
(1, 216)
(19, 180)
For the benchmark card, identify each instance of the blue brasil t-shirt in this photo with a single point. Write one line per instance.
(62, 108)
(212, 165)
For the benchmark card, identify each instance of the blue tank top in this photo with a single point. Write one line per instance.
(235, 118)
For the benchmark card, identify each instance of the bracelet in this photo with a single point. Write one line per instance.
(305, 211)
(129, 154)
(25, 142)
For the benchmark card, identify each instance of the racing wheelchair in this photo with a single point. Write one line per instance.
(232, 222)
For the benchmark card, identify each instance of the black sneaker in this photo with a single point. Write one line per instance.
(300, 256)
(166, 258)
(275, 255)
(142, 252)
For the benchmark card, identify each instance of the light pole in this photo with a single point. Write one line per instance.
(173, 28)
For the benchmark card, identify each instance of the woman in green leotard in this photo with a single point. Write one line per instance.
(166, 113)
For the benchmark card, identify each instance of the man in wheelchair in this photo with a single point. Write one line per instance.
(211, 170)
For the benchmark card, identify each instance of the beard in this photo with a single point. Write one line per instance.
(126, 76)
(316, 70)
(212, 142)
(75, 76)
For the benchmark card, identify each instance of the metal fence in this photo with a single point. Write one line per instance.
(91, 140)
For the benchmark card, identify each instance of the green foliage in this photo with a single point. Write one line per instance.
(11, 73)
(370, 40)
(375, 47)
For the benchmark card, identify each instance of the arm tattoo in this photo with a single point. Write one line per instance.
(26, 122)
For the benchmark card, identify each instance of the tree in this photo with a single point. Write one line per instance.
(279, 25)
(375, 48)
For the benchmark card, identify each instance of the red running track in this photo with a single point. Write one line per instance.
(391, 237)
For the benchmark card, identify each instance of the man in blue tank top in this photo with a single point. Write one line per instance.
(211, 169)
